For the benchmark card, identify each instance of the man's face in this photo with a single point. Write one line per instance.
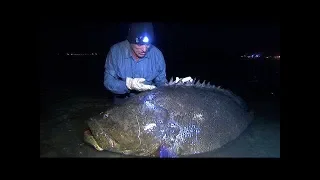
(140, 50)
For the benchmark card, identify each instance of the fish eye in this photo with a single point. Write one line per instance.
(105, 115)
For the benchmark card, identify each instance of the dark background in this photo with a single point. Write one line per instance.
(208, 51)
(71, 87)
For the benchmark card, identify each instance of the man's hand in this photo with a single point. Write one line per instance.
(186, 79)
(137, 84)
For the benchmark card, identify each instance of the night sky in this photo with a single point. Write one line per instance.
(98, 36)
(190, 48)
(72, 88)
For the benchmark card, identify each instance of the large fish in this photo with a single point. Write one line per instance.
(175, 120)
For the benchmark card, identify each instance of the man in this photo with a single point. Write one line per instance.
(134, 65)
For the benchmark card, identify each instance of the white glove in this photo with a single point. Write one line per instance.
(186, 79)
(137, 84)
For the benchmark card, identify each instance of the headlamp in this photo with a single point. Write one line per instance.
(142, 40)
(141, 33)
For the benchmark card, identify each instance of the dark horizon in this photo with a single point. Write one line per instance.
(209, 50)
(72, 89)
(169, 37)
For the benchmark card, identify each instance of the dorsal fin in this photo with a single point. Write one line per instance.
(195, 82)
(203, 84)
(208, 85)
(198, 83)
(171, 81)
(189, 83)
(180, 83)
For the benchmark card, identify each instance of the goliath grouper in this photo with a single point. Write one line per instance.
(175, 120)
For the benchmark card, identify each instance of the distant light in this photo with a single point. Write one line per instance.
(145, 39)
(81, 54)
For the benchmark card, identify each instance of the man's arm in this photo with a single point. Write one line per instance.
(111, 80)
(161, 79)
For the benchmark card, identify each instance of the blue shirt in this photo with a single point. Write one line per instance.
(120, 64)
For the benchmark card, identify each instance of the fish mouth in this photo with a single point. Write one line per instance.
(88, 138)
